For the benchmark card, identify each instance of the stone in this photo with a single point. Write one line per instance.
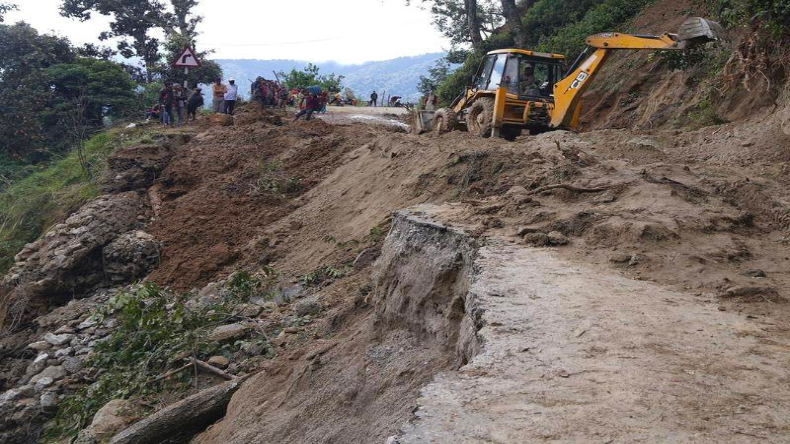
(366, 257)
(620, 258)
(87, 323)
(67, 259)
(115, 416)
(72, 365)
(248, 310)
(8, 396)
(64, 329)
(48, 399)
(63, 352)
(635, 259)
(40, 346)
(219, 361)
(536, 239)
(227, 332)
(252, 348)
(307, 307)
(756, 273)
(55, 372)
(43, 383)
(131, 256)
(58, 340)
(557, 238)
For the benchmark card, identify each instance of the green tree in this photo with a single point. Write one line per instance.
(5, 8)
(311, 76)
(133, 22)
(24, 96)
(464, 21)
(436, 76)
(174, 45)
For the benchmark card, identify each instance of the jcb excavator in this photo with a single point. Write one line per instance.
(516, 89)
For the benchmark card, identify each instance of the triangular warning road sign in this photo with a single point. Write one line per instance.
(187, 59)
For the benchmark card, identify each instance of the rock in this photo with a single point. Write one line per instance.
(58, 340)
(227, 332)
(366, 257)
(252, 348)
(131, 256)
(557, 238)
(72, 365)
(219, 361)
(112, 418)
(48, 399)
(643, 142)
(43, 383)
(756, 273)
(40, 346)
(67, 260)
(8, 396)
(516, 191)
(307, 307)
(634, 260)
(87, 323)
(288, 294)
(536, 239)
(620, 258)
(136, 167)
(392, 440)
(55, 373)
(248, 310)
(63, 352)
(747, 290)
(27, 390)
(64, 329)
(85, 437)
(522, 231)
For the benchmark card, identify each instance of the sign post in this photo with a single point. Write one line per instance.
(187, 59)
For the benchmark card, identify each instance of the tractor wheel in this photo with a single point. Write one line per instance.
(444, 121)
(481, 117)
(510, 132)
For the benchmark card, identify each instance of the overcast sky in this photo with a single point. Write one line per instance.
(347, 31)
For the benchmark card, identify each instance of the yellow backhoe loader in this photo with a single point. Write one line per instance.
(517, 89)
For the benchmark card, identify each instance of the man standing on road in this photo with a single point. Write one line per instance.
(166, 99)
(218, 90)
(373, 98)
(231, 93)
(311, 105)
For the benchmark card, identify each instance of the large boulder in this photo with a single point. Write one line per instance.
(130, 256)
(67, 261)
(135, 167)
(115, 416)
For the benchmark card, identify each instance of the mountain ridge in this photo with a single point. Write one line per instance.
(398, 76)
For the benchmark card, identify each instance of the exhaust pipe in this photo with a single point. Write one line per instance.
(697, 30)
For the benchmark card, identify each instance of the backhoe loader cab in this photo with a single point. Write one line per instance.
(517, 89)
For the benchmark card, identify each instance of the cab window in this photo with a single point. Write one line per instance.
(498, 72)
(481, 80)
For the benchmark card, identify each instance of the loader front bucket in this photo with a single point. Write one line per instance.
(423, 121)
(697, 30)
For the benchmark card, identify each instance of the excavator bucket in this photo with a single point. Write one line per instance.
(422, 121)
(698, 30)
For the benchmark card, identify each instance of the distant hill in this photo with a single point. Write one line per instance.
(397, 76)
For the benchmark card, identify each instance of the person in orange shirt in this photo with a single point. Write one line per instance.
(219, 90)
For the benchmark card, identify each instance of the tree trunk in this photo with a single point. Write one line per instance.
(512, 15)
(473, 21)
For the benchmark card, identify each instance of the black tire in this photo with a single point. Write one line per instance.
(481, 117)
(510, 132)
(444, 121)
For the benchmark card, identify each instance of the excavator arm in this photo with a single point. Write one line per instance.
(568, 92)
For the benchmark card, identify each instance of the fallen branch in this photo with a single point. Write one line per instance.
(571, 188)
(183, 419)
(211, 369)
(172, 372)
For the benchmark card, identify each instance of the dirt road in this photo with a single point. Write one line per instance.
(576, 353)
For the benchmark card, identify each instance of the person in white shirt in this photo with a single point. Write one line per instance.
(231, 94)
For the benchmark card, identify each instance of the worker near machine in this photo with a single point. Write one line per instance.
(312, 104)
(231, 94)
(194, 103)
(373, 98)
(218, 89)
(527, 81)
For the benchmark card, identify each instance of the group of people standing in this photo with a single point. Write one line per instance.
(173, 101)
(224, 96)
(269, 93)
